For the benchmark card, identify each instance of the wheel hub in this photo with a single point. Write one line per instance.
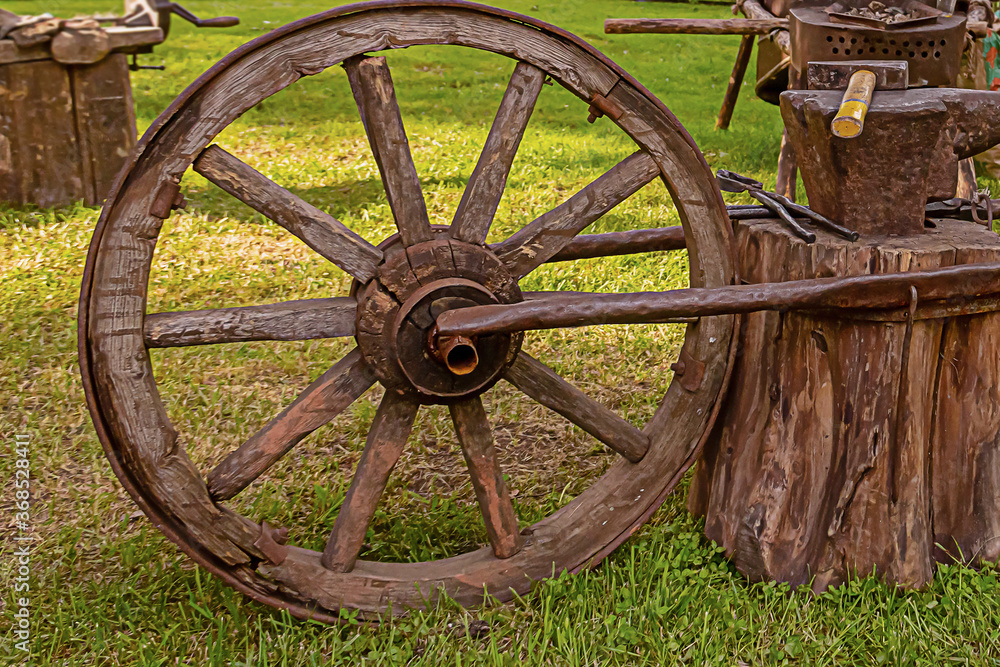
(397, 310)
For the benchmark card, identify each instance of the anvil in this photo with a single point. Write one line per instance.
(880, 182)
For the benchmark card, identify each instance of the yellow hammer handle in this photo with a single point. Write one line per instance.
(850, 119)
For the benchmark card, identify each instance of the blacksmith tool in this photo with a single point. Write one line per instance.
(858, 80)
(732, 182)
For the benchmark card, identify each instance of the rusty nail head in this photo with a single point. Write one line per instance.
(272, 543)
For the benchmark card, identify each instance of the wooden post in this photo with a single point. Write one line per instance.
(752, 26)
(788, 168)
(735, 82)
(39, 150)
(854, 444)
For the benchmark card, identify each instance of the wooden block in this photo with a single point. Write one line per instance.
(65, 132)
(105, 121)
(39, 151)
(80, 46)
(121, 40)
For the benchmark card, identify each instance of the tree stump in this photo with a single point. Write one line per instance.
(857, 443)
(65, 130)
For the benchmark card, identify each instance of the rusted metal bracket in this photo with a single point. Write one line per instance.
(272, 543)
(982, 197)
(602, 106)
(167, 199)
(691, 371)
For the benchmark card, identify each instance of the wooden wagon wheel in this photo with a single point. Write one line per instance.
(401, 285)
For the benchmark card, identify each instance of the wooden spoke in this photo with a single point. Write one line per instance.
(486, 185)
(321, 401)
(543, 384)
(292, 320)
(386, 440)
(545, 236)
(320, 231)
(375, 95)
(631, 242)
(476, 438)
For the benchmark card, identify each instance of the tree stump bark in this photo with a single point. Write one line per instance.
(853, 444)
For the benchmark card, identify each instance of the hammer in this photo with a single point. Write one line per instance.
(860, 78)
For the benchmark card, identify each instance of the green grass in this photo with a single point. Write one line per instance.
(109, 589)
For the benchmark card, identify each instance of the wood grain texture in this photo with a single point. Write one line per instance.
(105, 122)
(545, 386)
(966, 438)
(476, 438)
(685, 26)
(375, 95)
(539, 240)
(830, 459)
(39, 150)
(320, 231)
(486, 185)
(306, 319)
(321, 401)
(386, 440)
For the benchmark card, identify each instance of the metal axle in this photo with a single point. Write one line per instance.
(958, 285)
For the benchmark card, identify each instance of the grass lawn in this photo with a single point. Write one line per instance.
(107, 588)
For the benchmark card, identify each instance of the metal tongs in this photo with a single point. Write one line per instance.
(966, 209)
(732, 182)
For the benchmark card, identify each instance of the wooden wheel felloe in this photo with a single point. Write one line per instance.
(401, 287)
